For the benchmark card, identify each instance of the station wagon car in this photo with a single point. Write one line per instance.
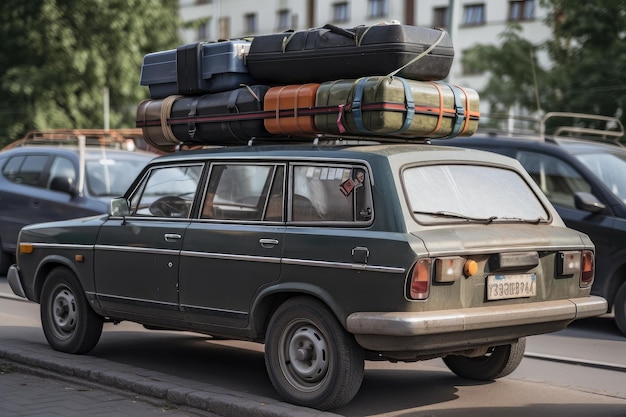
(329, 255)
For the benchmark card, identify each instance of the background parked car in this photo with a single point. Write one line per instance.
(585, 179)
(42, 179)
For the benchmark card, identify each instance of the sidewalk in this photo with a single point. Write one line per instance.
(26, 394)
(66, 385)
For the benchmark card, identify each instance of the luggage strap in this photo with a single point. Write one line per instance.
(166, 110)
(191, 124)
(356, 106)
(423, 54)
(461, 117)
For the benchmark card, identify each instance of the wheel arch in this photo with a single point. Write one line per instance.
(618, 278)
(45, 266)
(270, 298)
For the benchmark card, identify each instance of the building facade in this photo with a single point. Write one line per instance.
(469, 22)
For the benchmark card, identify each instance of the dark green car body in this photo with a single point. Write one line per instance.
(216, 264)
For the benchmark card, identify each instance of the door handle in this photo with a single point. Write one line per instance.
(172, 237)
(268, 243)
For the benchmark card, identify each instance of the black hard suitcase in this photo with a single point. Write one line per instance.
(226, 118)
(196, 68)
(332, 53)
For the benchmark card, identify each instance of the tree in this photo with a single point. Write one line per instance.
(589, 54)
(514, 70)
(57, 57)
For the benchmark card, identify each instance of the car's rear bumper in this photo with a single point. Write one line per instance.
(468, 328)
(15, 282)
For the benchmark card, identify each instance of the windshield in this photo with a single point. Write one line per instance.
(453, 193)
(111, 177)
(610, 168)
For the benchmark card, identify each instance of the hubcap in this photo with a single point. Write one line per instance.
(64, 311)
(307, 355)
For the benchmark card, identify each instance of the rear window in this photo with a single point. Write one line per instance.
(453, 193)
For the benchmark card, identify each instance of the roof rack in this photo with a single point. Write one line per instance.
(66, 137)
(613, 131)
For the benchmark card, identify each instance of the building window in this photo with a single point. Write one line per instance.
(520, 10)
(340, 12)
(474, 15)
(224, 32)
(440, 17)
(250, 23)
(283, 20)
(377, 8)
(203, 31)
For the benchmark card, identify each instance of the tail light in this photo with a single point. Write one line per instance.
(419, 286)
(587, 272)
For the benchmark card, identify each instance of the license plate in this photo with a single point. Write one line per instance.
(500, 287)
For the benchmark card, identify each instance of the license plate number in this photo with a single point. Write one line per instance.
(500, 287)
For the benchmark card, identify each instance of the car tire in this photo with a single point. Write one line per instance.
(310, 358)
(498, 363)
(620, 308)
(69, 323)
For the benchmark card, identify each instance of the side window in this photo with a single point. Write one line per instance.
(167, 192)
(557, 179)
(330, 193)
(244, 192)
(26, 170)
(62, 168)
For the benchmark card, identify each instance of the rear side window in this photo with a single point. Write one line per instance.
(27, 170)
(330, 193)
(453, 193)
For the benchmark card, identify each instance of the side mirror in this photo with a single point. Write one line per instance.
(588, 202)
(119, 207)
(64, 185)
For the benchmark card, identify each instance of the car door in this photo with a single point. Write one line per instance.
(137, 257)
(234, 249)
(560, 180)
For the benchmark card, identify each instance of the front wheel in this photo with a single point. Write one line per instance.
(69, 323)
(498, 363)
(310, 358)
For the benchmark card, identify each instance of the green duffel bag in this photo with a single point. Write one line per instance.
(396, 107)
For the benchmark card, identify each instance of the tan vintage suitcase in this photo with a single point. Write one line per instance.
(290, 104)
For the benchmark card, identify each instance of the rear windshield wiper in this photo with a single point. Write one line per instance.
(452, 215)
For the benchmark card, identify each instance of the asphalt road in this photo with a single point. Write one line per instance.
(577, 372)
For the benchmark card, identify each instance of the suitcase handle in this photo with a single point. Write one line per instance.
(339, 31)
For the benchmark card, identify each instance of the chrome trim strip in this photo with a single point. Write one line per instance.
(490, 251)
(230, 256)
(137, 249)
(60, 245)
(420, 323)
(218, 312)
(344, 265)
(136, 301)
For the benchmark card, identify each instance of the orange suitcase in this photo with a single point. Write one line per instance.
(292, 105)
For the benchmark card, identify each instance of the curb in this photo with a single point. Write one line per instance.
(221, 401)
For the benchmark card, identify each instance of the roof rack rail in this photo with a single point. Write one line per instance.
(64, 137)
(613, 131)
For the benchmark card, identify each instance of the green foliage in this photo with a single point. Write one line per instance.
(57, 57)
(588, 54)
(513, 69)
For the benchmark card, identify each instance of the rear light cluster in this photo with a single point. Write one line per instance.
(446, 269)
(453, 268)
(576, 262)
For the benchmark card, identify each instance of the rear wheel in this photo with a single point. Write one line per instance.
(498, 363)
(310, 358)
(69, 323)
(6, 260)
(620, 308)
